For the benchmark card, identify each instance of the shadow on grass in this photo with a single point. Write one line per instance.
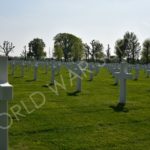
(148, 90)
(31, 80)
(47, 85)
(119, 108)
(75, 93)
(18, 77)
(114, 84)
(90, 80)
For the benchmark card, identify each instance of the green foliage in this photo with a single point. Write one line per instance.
(146, 51)
(70, 44)
(132, 47)
(36, 49)
(108, 54)
(97, 50)
(120, 49)
(23, 55)
(86, 51)
(128, 47)
(77, 51)
(58, 52)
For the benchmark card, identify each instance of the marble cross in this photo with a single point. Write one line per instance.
(35, 71)
(6, 92)
(137, 70)
(123, 75)
(53, 68)
(78, 71)
(91, 68)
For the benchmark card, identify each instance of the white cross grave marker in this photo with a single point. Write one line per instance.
(46, 67)
(79, 79)
(148, 71)
(5, 94)
(97, 68)
(137, 70)
(53, 68)
(22, 69)
(91, 68)
(75, 72)
(123, 75)
(35, 71)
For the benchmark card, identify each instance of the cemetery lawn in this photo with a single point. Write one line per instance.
(88, 120)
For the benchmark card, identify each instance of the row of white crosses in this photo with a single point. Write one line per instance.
(78, 69)
(55, 67)
(28, 64)
(6, 92)
(115, 68)
(94, 69)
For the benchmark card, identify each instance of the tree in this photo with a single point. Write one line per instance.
(58, 52)
(97, 50)
(68, 44)
(86, 49)
(128, 47)
(7, 47)
(77, 51)
(120, 48)
(108, 53)
(146, 51)
(132, 46)
(36, 49)
(24, 53)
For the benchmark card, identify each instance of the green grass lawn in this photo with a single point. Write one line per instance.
(84, 121)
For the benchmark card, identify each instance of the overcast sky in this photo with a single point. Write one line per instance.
(103, 20)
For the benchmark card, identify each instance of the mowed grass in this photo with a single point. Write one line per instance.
(82, 121)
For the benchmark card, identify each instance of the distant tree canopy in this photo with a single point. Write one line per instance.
(132, 47)
(128, 47)
(120, 48)
(68, 46)
(7, 47)
(36, 49)
(58, 52)
(146, 51)
(86, 49)
(108, 54)
(95, 52)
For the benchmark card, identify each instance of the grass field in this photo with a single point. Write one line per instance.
(84, 121)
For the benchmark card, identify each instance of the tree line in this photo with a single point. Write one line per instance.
(68, 47)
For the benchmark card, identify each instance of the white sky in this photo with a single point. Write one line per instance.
(103, 20)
